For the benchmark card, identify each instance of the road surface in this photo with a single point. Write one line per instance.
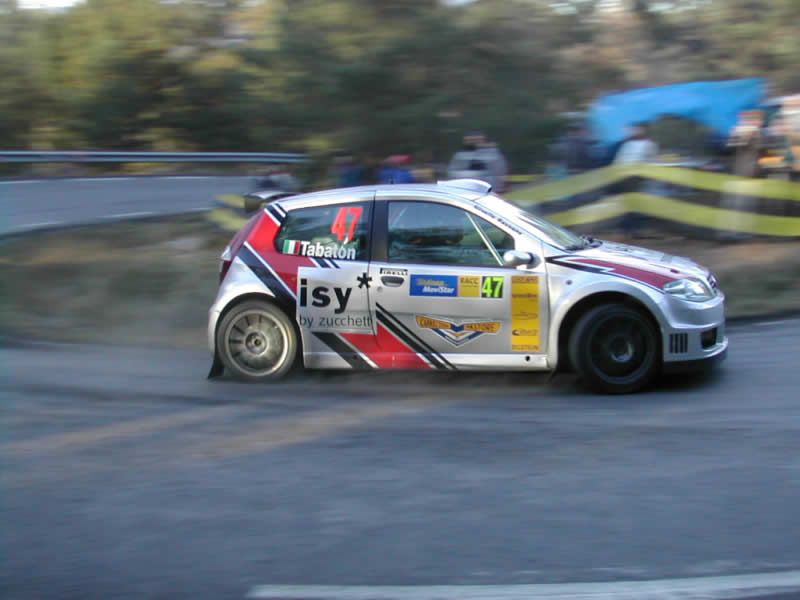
(126, 474)
(42, 203)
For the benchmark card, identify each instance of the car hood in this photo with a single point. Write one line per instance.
(648, 259)
(649, 267)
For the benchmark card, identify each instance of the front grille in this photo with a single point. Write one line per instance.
(679, 343)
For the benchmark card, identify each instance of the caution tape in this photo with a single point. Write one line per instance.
(709, 201)
(231, 201)
(681, 212)
(226, 219)
(700, 180)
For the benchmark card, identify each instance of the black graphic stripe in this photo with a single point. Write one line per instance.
(280, 209)
(410, 342)
(599, 270)
(266, 276)
(335, 343)
(276, 214)
(404, 333)
(320, 263)
(558, 260)
(407, 331)
(333, 263)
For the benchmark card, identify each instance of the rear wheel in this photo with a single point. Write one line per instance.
(256, 341)
(615, 349)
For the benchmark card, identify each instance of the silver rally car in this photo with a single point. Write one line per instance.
(450, 276)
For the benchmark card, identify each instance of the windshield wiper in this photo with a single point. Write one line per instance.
(574, 247)
(591, 241)
(587, 241)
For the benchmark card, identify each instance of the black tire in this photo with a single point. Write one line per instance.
(256, 341)
(615, 349)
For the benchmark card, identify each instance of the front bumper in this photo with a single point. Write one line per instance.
(697, 365)
(693, 333)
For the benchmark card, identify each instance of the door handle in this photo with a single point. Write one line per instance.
(392, 280)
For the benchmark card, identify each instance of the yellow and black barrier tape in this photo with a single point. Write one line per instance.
(522, 178)
(234, 201)
(688, 178)
(685, 197)
(680, 212)
(226, 218)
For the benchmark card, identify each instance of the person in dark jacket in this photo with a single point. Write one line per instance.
(396, 169)
(349, 172)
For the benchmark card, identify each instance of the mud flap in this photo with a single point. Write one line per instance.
(217, 368)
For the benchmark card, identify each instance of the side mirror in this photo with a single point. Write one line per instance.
(252, 203)
(518, 258)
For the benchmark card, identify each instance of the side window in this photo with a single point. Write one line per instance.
(501, 241)
(432, 233)
(337, 231)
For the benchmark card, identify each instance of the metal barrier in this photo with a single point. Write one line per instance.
(89, 156)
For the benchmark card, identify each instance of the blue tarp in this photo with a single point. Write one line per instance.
(715, 104)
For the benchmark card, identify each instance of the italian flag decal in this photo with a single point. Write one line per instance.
(291, 247)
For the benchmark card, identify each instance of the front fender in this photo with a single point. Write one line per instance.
(567, 300)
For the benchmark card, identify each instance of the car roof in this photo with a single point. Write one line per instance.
(467, 189)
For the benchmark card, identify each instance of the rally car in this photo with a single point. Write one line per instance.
(450, 276)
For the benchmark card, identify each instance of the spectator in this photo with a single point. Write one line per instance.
(479, 159)
(349, 173)
(577, 148)
(639, 148)
(496, 165)
(746, 139)
(396, 169)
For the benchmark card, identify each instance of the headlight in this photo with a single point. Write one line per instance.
(693, 290)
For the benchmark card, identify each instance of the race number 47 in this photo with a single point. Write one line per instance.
(344, 225)
(492, 286)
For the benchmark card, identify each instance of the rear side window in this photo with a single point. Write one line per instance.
(339, 231)
(432, 233)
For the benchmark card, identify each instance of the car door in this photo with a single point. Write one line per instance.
(441, 293)
(328, 245)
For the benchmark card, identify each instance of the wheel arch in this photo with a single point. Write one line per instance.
(285, 307)
(261, 296)
(572, 313)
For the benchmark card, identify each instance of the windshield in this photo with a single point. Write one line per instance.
(551, 232)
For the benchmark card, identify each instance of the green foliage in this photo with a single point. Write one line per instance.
(368, 77)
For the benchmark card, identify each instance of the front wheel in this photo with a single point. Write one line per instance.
(615, 349)
(256, 341)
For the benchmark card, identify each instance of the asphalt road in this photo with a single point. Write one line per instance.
(48, 202)
(126, 474)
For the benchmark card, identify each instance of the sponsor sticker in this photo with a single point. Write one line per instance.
(469, 286)
(325, 307)
(505, 222)
(525, 313)
(433, 285)
(336, 323)
(397, 272)
(315, 249)
(477, 286)
(457, 333)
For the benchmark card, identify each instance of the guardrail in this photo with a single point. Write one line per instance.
(89, 156)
